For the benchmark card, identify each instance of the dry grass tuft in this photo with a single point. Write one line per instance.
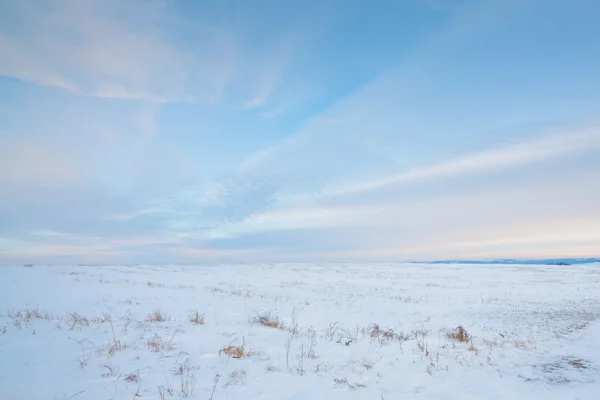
(25, 316)
(578, 363)
(116, 344)
(568, 362)
(459, 334)
(83, 361)
(197, 318)
(494, 342)
(183, 286)
(29, 314)
(133, 377)
(77, 321)
(271, 368)
(232, 292)
(368, 364)
(33, 314)
(422, 343)
(187, 373)
(381, 335)
(156, 316)
(521, 344)
(233, 351)
(115, 347)
(157, 344)
(342, 383)
(154, 284)
(236, 377)
(111, 370)
(268, 320)
(236, 351)
(103, 319)
(164, 391)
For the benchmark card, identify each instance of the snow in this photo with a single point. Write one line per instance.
(80, 332)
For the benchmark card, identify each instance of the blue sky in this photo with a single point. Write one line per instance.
(236, 131)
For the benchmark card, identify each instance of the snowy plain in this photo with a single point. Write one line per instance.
(300, 331)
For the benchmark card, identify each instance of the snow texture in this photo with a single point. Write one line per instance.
(299, 331)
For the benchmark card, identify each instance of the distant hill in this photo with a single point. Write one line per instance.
(549, 261)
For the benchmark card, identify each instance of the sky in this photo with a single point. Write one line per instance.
(163, 131)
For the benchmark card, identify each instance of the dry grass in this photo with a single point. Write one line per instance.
(568, 362)
(83, 361)
(154, 284)
(187, 373)
(77, 321)
(25, 316)
(183, 286)
(578, 363)
(163, 392)
(33, 314)
(197, 318)
(521, 344)
(368, 364)
(73, 320)
(405, 299)
(236, 351)
(271, 368)
(157, 344)
(381, 335)
(332, 331)
(342, 383)
(233, 351)
(133, 377)
(236, 377)
(29, 314)
(268, 320)
(494, 342)
(322, 368)
(232, 292)
(422, 343)
(215, 382)
(435, 366)
(156, 316)
(111, 370)
(459, 334)
(103, 319)
(116, 345)
(384, 336)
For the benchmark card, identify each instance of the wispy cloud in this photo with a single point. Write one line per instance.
(83, 47)
(512, 156)
(159, 130)
(19, 64)
(451, 224)
(267, 71)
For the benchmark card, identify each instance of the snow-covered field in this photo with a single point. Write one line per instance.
(338, 332)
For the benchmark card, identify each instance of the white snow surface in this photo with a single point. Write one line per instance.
(84, 332)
